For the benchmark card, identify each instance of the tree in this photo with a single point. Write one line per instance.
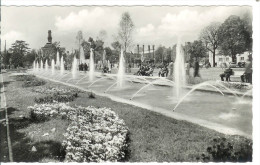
(97, 46)
(159, 54)
(196, 51)
(30, 57)
(247, 19)
(233, 37)
(116, 45)
(6, 58)
(126, 28)
(210, 36)
(18, 49)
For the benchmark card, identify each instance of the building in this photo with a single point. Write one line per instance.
(49, 50)
(220, 59)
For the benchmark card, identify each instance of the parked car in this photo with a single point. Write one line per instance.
(241, 64)
(233, 65)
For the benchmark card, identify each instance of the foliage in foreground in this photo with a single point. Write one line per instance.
(223, 150)
(94, 134)
(57, 98)
(29, 80)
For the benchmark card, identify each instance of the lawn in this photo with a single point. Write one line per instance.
(153, 137)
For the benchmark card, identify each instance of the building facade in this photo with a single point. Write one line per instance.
(220, 59)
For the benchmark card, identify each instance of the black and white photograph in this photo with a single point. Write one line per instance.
(129, 83)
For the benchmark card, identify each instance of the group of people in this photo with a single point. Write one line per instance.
(83, 67)
(245, 77)
(163, 72)
(145, 70)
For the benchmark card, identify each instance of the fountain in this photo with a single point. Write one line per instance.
(41, 65)
(37, 66)
(91, 65)
(34, 66)
(82, 56)
(61, 66)
(121, 71)
(52, 67)
(58, 58)
(46, 66)
(179, 71)
(74, 68)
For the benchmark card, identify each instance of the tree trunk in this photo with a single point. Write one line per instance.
(234, 58)
(214, 54)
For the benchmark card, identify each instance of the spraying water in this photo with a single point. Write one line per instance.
(82, 56)
(179, 71)
(46, 66)
(58, 58)
(37, 66)
(34, 66)
(121, 71)
(74, 68)
(61, 66)
(52, 67)
(41, 65)
(91, 66)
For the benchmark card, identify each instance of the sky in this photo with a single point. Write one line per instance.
(154, 25)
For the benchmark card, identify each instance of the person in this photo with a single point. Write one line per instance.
(247, 76)
(85, 67)
(227, 73)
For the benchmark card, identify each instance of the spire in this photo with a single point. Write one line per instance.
(49, 36)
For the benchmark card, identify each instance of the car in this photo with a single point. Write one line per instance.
(232, 65)
(241, 64)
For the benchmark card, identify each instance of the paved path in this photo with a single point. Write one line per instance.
(4, 108)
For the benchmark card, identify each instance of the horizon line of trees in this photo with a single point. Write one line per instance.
(232, 37)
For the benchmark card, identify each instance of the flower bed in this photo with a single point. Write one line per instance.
(23, 77)
(55, 94)
(94, 134)
(56, 98)
(42, 112)
(33, 82)
(224, 150)
(237, 85)
(52, 90)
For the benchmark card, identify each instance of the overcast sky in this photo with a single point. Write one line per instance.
(153, 25)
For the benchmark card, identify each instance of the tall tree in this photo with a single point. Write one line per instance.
(247, 19)
(233, 38)
(196, 51)
(19, 49)
(159, 54)
(126, 28)
(210, 36)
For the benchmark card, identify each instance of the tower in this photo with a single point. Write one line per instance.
(49, 36)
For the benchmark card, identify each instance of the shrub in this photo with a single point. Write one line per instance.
(91, 95)
(24, 77)
(95, 135)
(56, 98)
(33, 82)
(223, 150)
